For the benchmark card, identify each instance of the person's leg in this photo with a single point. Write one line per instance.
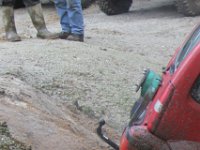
(76, 20)
(35, 11)
(61, 7)
(8, 20)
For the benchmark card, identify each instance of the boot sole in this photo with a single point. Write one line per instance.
(14, 40)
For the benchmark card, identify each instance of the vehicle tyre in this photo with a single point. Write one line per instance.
(113, 7)
(86, 3)
(188, 7)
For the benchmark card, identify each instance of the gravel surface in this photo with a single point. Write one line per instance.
(97, 76)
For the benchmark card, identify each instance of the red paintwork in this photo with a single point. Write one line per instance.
(124, 143)
(177, 124)
(181, 119)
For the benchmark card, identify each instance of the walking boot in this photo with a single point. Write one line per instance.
(76, 37)
(37, 18)
(9, 24)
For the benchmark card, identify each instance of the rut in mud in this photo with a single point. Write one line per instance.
(41, 121)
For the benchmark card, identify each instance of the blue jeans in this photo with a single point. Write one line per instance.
(71, 16)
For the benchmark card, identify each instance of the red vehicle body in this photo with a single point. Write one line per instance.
(172, 118)
(167, 114)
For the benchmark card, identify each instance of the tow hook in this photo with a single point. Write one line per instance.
(103, 137)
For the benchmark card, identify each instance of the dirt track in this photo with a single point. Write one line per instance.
(98, 74)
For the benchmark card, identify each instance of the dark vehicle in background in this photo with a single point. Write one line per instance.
(85, 3)
(113, 7)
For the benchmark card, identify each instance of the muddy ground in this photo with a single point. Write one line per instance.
(52, 92)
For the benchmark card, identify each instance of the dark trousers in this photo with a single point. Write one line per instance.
(27, 3)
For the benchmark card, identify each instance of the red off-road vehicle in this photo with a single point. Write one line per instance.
(167, 114)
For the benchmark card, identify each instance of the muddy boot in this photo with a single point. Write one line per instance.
(37, 18)
(9, 24)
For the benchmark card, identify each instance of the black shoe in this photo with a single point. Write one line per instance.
(64, 35)
(76, 37)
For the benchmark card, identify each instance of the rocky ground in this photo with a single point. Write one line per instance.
(52, 92)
